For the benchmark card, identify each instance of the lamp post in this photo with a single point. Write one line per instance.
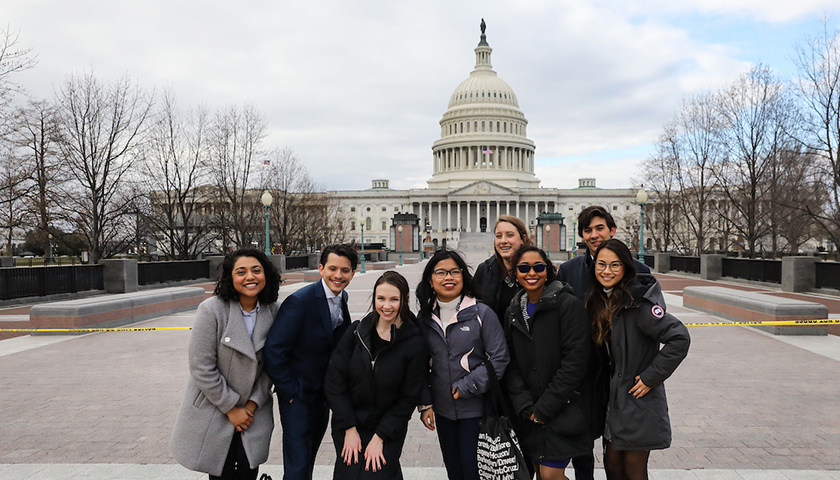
(266, 201)
(362, 224)
(641, 199)
(399, 230)
(548, 241)
(52, 259)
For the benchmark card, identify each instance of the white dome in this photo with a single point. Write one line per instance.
(483, 86)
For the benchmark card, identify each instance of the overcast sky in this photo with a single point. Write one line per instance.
(357, 88)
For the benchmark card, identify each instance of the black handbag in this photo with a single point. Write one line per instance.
(499, 454)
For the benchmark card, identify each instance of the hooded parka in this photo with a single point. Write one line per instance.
(226, 370)
(546, 370)
(638, 328)
(457, 358)
(376, 393)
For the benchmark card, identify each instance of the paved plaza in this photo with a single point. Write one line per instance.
(744, 404)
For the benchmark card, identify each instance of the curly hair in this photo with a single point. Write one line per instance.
(550, 271)
(425, 292)
(599, 307)
(224, 286)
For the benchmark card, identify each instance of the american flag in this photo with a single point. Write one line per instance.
(266, 162)
(487, 151)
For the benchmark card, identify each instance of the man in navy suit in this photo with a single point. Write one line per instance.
(307, 327)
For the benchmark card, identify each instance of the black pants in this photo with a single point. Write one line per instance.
(236, 463)
(458, 441)
(584, 467)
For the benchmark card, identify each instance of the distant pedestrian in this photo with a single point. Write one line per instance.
(373, 384)
(225, 422)
(461, 335)
(629, 324)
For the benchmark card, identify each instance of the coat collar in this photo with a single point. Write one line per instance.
(236, 335)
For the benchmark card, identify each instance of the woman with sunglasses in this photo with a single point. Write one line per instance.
(461, 335)
(495, 286)
(630, 323)
(548, 339)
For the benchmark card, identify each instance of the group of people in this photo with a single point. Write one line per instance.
(581, 351)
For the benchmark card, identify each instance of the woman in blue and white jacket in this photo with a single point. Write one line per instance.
(461, 334)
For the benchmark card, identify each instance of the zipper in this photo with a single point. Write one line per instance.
(370, 354)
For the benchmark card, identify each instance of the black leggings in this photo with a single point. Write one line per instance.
(625, 464)
(237, 466)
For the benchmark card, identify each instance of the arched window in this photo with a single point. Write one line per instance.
(482, 126)
(497, 126)
(491, 126)
(462, 127)
(475, 126)
(368, 223)
(505, 127)
(468, 127)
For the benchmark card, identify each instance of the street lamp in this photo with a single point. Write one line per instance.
(266, 201)
(548, 241)
(641, 199)
(399, 229)
(362, 224)
(52, 259)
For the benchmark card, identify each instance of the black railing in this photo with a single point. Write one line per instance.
(685, 264)
(649, 261)
(752, 269)
(828, 275)
(20, 282)
(297, 263)
(162, 272)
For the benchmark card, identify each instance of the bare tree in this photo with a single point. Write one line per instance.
(13, 60)
(818, 87)
(659, 176)
(755, 123)
(101, 124)
(14, 186)
(173, 166)
(236, 136)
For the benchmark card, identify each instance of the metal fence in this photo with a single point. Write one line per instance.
(649, 261)
(828, 275)
(297, 263)
(20, 282)
(149, 273)
(685, 264)
(752, 269)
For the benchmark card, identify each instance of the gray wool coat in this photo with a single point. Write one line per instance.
(226, 370)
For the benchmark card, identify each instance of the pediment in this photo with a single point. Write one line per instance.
(483, 187)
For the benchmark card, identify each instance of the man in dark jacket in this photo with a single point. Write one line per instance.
(595, 225)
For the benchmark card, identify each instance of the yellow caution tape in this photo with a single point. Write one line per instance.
(825, 321)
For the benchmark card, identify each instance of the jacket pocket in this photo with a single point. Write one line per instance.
(570, 420)
(200, 400)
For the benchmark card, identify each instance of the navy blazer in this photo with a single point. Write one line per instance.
(299, 345)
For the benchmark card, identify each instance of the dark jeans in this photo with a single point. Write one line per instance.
(303, 429)
(236, 463)
(458, 443)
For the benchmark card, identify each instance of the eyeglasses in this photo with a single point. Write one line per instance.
(615, 267)
(441, 273)
(525, 268)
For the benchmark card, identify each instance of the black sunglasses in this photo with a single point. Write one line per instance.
(525, 268)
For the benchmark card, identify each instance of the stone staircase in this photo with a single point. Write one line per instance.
(476, 242)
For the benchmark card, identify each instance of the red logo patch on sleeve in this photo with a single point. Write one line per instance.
(657, 311)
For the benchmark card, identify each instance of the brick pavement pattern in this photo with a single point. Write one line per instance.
(741, 400)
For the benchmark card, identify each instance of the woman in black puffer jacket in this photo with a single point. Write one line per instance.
(548, 340)
(373, 384)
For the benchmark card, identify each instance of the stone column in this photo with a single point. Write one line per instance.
(711, 266)
(469, 212)
(799, 274)
(662, 262)
(440, 217)
(459, 215)
(448, 215)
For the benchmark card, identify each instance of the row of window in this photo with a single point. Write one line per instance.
(486, 95)
(368, 224)
(367, 209)
(501, 127)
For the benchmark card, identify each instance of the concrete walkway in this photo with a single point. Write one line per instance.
(744, 405)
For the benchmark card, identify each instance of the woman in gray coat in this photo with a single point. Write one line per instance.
(630, 324)
(225, 422)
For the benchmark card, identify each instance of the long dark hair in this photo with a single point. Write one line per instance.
(224, 286)
(601, 308)
(550, 271)
(426, 296)
(393, 278)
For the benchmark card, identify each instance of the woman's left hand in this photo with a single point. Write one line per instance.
(455, 394)
(639, 389)
(374, 458)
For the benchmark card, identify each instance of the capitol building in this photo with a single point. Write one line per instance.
(483, 167)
